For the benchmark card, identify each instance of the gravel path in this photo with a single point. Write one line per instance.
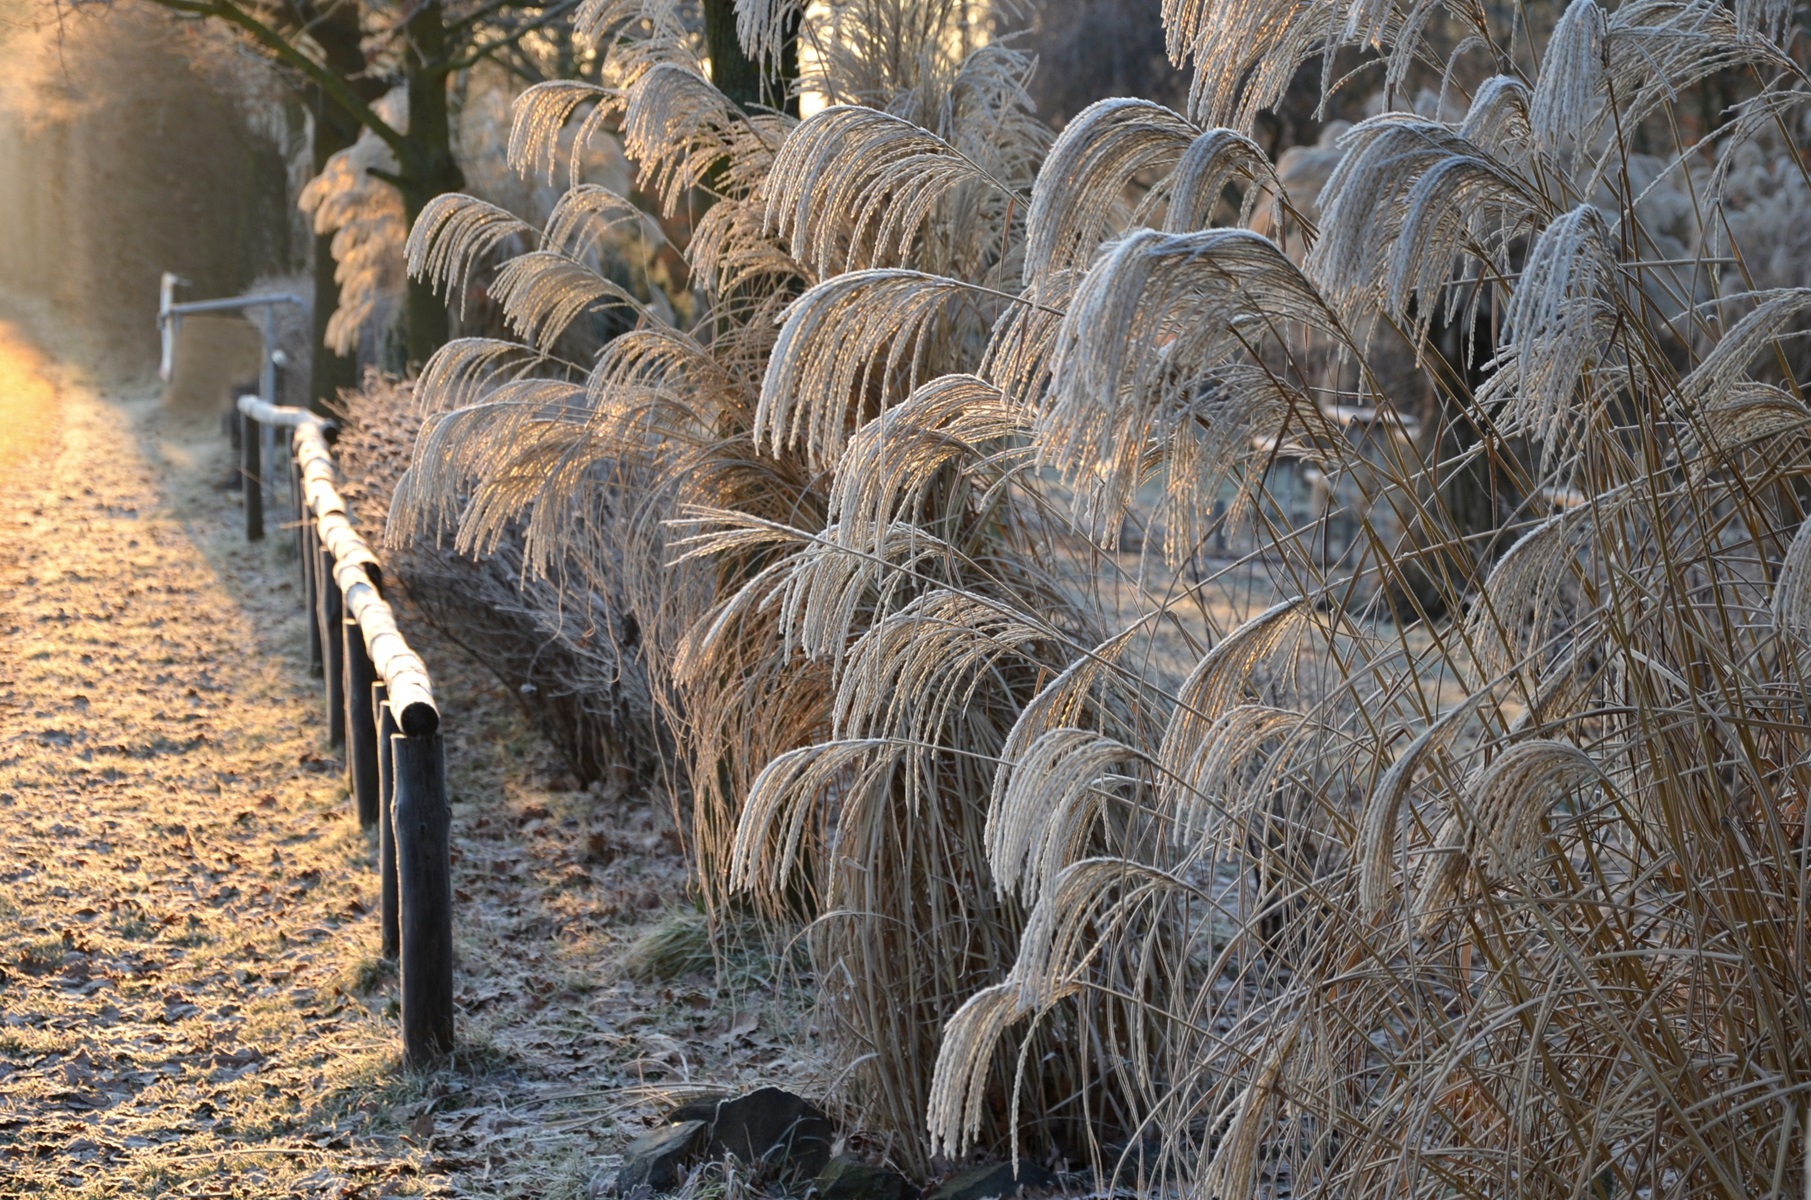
(191, 1000)
(182, 893)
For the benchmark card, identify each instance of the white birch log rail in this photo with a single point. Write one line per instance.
(380, 707)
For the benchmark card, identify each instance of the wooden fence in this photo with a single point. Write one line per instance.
(380, 712)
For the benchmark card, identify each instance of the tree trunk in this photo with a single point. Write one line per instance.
(333, 132)
(1444, 557)
(336, 31)
(431, 169)
(749, 83)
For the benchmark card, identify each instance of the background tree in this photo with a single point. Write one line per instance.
(342, 55)
(125, 152)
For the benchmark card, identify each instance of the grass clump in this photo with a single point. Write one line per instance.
(677, 945)
(1338, 842)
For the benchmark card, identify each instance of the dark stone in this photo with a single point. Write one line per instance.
(994, 1182)
(775, 1127)
(849, 1178)
(658, 1158)
(703, 1108)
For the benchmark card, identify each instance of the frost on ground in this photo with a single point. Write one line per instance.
(191, 999)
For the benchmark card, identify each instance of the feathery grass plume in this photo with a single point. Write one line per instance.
(1750, 414)
(1246, 53)
(462, 372)
(543, 292)
(1145, 367)
(891, 466)
(454, 234)
(678, 129)
(780, 805)
(1230, 1171)
(920, 679)
(961, 1087)
(1723, 366)
(658, 362)
(761, 26)
(1222, 681)
(589, 213)
(1567, 102)
(853, 187)
(1531, 592)
(1558, 323)
(1094, 894)
(1767, 19)
(541, 115)
(366, 218)
(899, 55)
(824, 378)
(641, 35)
(1792, 593)
(1087, 691)
(1082, 192)
(1023, 339)
(637, 33)
(1210, 796)
(751, 274)
(1410, 198)
(918, 668)
(464, 454)
(1497, 825)
(1506, 801)
(1044, 819)
(989, 117)
(1499, 119)
(1212, 162)
(1377, 839)
(1758, 188)
(1654, 49)
(979, 110)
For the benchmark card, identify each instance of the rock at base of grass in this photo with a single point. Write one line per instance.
(658, 1159)
(787, 1135)
(699, 1108)
(773, 1126)
(995, 1182)
(849, 1178)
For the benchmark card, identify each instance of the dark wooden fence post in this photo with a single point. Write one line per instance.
(386, 808)
(361, 724)
(333, 648)
(311, 587)
(251, 445)
(294, 471)
(380, 707)
(424, 877)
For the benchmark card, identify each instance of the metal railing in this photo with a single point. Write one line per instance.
(170, 313)
(380, 711)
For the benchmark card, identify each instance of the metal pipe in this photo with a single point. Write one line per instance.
(190, 307)
(170, 315)
(166, 300)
